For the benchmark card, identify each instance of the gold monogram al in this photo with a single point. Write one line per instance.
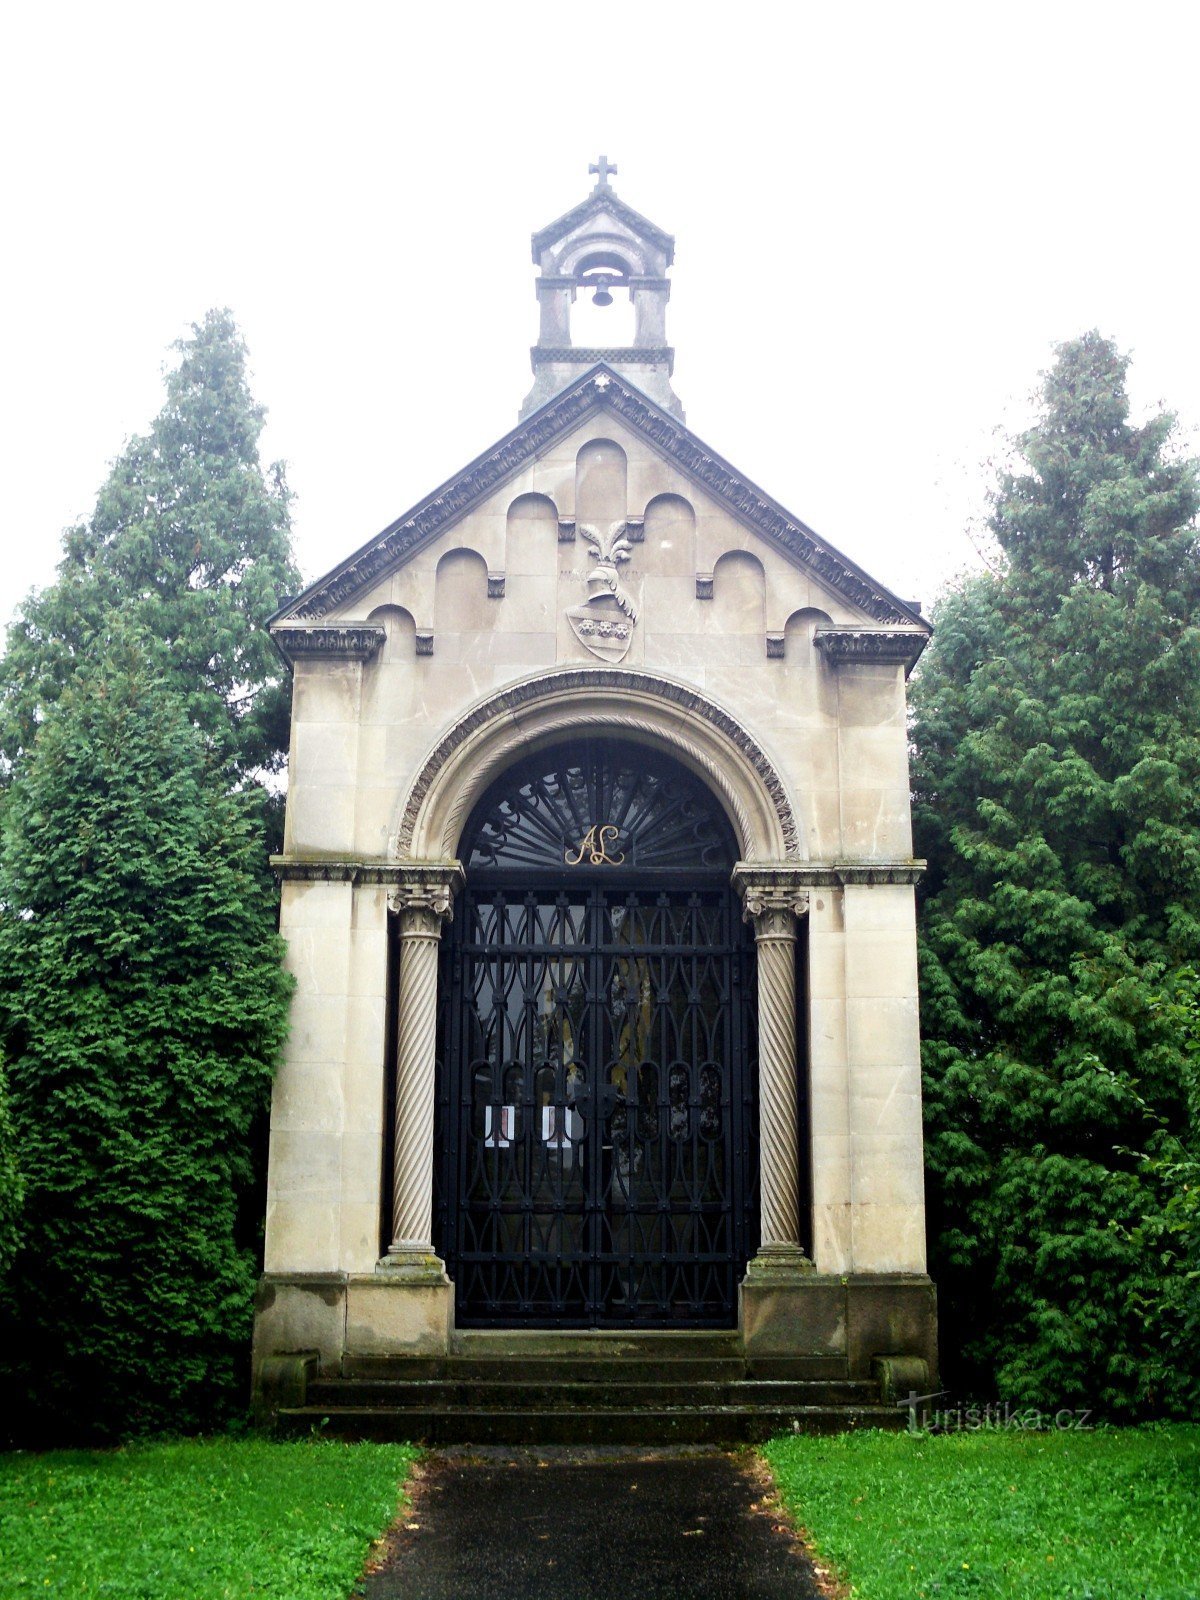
(593, 848)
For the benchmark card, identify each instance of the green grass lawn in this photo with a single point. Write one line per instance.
(1103, 1515)
(196, 1520)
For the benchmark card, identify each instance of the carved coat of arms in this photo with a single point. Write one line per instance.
(604, 622)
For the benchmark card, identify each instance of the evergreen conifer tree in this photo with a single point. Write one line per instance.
(189, 536)
(142, 1007)
(1057, 798)
(12, 1185)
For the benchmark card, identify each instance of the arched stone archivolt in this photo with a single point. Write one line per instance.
(640, 706)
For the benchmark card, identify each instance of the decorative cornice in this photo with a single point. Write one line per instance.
(597, 390)
(541, 355)
(615, 682)
(899, 646)
(879, 872)
(364, 870)
(357, 643)
(785, 878)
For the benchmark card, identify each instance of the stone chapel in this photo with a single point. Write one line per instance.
(598, 891)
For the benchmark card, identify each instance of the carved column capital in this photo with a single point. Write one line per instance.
(772, 898)
(423, 895)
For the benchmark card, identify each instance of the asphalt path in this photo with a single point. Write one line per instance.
(590, 1524)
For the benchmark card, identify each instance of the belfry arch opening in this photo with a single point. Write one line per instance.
(596, 1125)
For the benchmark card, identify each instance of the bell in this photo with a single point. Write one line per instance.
(602, 296)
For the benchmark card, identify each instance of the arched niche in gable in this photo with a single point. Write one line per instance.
(401, 629)
(739, 594)
(460, 594)
(671, 534)
(816, 684)
(531, 537)
(601, 483)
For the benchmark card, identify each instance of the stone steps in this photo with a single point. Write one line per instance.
(664, 1424)
(515, 1394)
(588, 1369)
(547, 1388)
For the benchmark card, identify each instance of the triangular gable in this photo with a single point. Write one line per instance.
(602, 199)
(598, 390)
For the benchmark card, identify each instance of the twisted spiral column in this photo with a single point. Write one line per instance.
(772, 899)
(779, 1142)
(424, 905)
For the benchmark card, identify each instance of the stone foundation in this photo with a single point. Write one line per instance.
(854, 1319)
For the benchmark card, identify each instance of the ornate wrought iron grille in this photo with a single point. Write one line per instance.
(599, 799)
(596, 1127)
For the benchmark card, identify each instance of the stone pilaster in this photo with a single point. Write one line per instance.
(773, 899)
(424, 901)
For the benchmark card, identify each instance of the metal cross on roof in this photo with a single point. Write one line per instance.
(602, 170)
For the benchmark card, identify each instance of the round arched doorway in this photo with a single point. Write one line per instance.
(596, 1140)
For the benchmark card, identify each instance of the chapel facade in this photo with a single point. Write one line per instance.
(597, 886)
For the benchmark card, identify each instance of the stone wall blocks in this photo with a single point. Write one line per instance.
(359, 1240)
(880, 908)
(883, 1032)
(318, 1029)
(880, 965)
(888, 1238)
(323, 906)
(366, 1031)
(307, 1099)
(307, 1165)
(320, 821)
(303, 1234)
(876, 824)
(319, 959)
(361, 1168)
(887, 1171)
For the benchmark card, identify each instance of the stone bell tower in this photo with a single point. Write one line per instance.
(604, 248)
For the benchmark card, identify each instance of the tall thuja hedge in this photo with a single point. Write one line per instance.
(143, 1007)
(1057, 789)
(191, 536)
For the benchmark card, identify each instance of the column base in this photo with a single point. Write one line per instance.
(778, 1264)
(413, 1265)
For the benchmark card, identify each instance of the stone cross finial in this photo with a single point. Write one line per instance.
(602, 171)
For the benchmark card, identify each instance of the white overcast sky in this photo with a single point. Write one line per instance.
(885, 217)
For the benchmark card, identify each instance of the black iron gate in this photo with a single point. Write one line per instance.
(596, 1128)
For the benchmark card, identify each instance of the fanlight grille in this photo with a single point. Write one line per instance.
(594, 805)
